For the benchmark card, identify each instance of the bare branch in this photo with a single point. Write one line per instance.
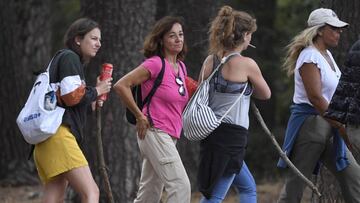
(100, 154)
(281, 153)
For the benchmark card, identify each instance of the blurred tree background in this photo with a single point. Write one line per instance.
(32, 31)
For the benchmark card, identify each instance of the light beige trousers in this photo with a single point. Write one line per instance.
(161, 167)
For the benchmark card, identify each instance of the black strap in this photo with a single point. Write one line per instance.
(157, 83)
(182, 68)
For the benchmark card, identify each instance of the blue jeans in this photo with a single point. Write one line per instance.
(243, 181)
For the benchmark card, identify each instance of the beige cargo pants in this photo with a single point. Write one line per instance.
(161, 167)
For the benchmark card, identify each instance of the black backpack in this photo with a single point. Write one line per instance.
(136, 92)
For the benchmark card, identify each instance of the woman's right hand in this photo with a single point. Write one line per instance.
(142, 124)
(103, 87)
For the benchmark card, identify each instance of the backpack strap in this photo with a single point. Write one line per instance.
(157, 83)
(222, 62)
(182, 68)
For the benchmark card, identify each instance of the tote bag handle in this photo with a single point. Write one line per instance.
(222, 62)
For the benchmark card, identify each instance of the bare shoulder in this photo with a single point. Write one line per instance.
(243, 61)
(249, 62)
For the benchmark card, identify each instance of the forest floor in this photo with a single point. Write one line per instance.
(267, 193)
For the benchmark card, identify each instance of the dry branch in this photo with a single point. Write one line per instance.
(100, 155)
(281, 153)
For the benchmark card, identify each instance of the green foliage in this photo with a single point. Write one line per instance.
(292, 16)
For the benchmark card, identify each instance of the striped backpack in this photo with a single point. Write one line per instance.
(199, 120)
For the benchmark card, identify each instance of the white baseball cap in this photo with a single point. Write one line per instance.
(322, 16)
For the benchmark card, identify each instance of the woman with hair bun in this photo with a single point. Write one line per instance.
(222, 152)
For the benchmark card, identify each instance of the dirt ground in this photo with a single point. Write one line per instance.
(267, 193)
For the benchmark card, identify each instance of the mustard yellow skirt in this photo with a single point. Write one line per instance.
(58, 154)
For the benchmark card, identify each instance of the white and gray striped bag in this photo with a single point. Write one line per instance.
(199, 120)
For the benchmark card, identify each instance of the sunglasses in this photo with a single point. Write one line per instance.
(179, 81)
(338, 29)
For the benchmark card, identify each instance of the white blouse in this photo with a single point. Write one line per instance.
(329, 77)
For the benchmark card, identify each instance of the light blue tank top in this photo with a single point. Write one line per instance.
(223, 94)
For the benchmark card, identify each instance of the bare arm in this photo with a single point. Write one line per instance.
(236, 70)
(123, 88)
(310, 75)
(261, 88)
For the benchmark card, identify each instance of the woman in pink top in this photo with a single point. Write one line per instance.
(159, 127)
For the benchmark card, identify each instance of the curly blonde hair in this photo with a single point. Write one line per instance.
(228, 28)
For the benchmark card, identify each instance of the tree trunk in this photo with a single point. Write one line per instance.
(347, 11)
(25, 39)
(124, 25)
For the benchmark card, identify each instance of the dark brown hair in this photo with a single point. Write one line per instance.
(79, 28)
(152, 43)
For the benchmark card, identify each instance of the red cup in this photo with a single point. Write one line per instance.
(106, 72)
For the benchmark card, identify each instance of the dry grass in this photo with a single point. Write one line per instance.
(23, 194)
(267, 193)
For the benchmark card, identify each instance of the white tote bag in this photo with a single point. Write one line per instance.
(40, 117)
(199, 120)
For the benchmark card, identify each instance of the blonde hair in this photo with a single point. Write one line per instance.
(228, 28)
(298, 43)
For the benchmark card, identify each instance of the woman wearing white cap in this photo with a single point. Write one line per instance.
(311, 139)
